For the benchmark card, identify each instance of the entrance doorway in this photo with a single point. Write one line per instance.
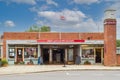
(19, 55)
(58, 56)
(98, 57)
(45, 56)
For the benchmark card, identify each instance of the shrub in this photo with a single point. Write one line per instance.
(22, 62)
(15, 62)
(87, 62)
(4, 62)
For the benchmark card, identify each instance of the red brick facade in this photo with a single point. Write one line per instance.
(49, 36)
(118, 59)
(110, 42)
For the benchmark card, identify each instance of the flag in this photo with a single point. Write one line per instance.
(62, 17)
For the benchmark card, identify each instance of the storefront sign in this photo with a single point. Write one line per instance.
(72, 41)
(54, 41)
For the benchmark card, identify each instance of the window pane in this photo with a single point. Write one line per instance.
(30, 52)
(118, 51)
(11, 52)
(87, 53)
(70, 54)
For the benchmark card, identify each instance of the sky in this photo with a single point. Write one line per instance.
(78, 15)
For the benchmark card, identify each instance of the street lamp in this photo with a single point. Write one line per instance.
(63, 18)
(64, 62)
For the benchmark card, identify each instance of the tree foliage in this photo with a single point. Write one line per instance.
(118, 43)
(36, 28)
(45, 29)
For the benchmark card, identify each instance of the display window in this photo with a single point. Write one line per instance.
(88, 53)
(30, 52)
(11, 53)
(70, 54)
(118, 51)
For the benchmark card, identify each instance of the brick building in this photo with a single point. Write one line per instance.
(55, 47)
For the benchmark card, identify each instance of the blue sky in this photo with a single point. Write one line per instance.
(80, 15)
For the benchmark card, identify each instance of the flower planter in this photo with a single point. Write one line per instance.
(4, 65)
(87, 63)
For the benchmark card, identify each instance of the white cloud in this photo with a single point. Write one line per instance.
(9, 23)
(68, 14)
(39, 22)
(51, 2)
(31, 2)
(111, 0)
(41, 8)
(74, 21)
(86, 1)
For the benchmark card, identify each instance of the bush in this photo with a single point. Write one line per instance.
(22, 62)
(15, 62)
(4, 62)
(87, 62)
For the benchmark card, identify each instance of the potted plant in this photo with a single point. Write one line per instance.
(87, 62)
(4, 62)
(22, 62)
(15, 63)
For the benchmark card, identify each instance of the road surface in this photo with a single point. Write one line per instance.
(66, 75)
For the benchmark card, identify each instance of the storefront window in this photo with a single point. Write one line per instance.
(11, 52)
(70, 54)
(118, 51)
(87, 53)
(30, 52)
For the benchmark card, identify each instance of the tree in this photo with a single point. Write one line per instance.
(45, 29)
(118, 43)
(36, 28)
(33, 28)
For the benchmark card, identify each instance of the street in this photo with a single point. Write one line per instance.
(66, 75)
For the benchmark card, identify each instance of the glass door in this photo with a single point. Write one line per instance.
(98, 57)
(19, 55)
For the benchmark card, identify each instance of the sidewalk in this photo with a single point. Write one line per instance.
(19, 69)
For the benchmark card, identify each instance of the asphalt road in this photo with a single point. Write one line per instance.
(66, 75)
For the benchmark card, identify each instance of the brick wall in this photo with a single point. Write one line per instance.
(110, 43)
(51, 36)
(118, 59)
